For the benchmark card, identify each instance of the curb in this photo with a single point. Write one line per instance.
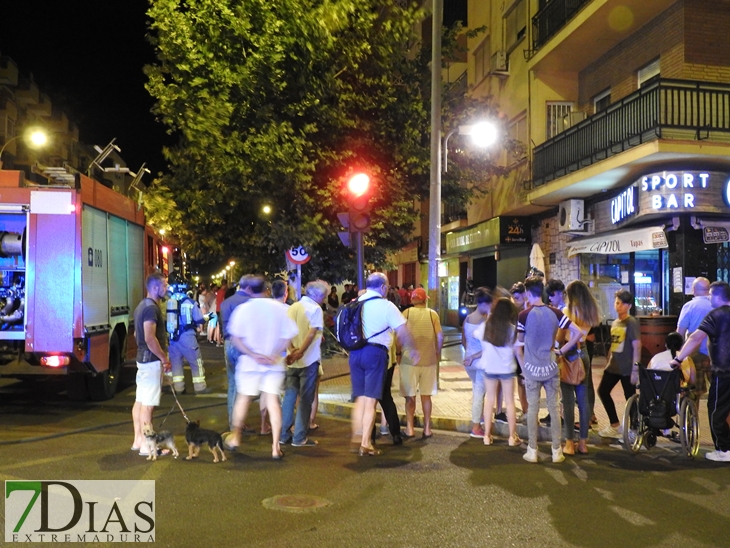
(451, 424)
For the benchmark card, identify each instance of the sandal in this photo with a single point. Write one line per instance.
(514, 441)
(488, 440)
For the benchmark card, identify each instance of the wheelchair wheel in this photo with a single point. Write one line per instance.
(634, 428)
(689, 428)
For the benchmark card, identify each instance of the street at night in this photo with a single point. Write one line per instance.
(447, 491)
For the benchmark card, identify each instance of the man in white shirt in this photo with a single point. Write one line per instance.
(261, 330)
(368, 365)
(303, 360)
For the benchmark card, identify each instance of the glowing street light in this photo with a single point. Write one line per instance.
(35, 137)
(266, 209)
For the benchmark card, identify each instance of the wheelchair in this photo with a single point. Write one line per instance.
(653, 413)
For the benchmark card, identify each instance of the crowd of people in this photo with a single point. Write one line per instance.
(513, 341)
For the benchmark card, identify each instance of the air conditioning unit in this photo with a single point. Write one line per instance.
(499, 63)
(571, 216)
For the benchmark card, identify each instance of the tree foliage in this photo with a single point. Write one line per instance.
(277, 102)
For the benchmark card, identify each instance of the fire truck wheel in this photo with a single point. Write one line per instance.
(103, 385)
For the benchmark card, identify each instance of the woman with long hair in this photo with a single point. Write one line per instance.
(583, 311)
(472, 353)
(498, 365)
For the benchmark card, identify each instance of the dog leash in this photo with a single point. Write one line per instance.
(174, 395)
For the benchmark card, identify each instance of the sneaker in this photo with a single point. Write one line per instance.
(502, 417)
(384, 431)
(305, 443)
(610, 432)
(530, 455)
(545, 420)
(718, 456)
(558, 455)
(477, 433)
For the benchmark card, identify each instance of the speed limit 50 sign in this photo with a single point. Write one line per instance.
(298, 255)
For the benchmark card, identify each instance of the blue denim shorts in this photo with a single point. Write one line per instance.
(500, 376)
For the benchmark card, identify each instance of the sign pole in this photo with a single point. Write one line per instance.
(299, 282)
(360, 261)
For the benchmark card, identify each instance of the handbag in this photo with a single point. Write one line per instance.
(571, 368)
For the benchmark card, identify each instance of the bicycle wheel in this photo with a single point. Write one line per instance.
(689, 428)
(634, 428)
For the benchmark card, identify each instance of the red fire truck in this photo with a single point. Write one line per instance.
(73, 260)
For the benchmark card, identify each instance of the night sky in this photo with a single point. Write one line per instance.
(87, 56)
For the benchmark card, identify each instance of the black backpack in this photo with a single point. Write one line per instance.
(348, 325)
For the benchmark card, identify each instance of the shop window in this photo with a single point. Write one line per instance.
(643, 273)
(602, 101)
(723, 262)
(648, 73)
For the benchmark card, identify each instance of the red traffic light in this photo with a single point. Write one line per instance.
(358, 184)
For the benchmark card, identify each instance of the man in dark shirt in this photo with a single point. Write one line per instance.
(231, 354)
(716, 326)
(152, 359)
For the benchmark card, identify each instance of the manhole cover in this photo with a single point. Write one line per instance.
(295, 503)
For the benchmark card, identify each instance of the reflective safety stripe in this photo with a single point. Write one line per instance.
(199, 379)
(178, 378)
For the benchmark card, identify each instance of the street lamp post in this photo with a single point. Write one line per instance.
(36, 137)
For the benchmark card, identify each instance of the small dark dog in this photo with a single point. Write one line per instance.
(155, 440)
(197, 436)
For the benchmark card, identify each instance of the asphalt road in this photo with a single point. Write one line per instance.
(447, 491)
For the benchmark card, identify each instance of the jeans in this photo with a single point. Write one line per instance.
(570, 394)
(533, 406)
(608, 381)
(231, 354)
(300, 381)
(477, 394)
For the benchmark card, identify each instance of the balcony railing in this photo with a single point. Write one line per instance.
(452, 213)
(553, 17)
(669, 109)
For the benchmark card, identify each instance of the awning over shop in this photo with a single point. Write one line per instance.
(621, 241)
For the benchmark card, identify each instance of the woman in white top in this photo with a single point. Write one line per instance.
(499, 366)
(472, 353)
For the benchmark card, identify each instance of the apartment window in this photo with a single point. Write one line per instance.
(518, 128)
(557, 118)
(481, 60)
(648, 73)
(602, 100)
(409, 274)
(515, 24)
(9, 129)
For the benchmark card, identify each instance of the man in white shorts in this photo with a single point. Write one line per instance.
(152, 359)
(261, 330)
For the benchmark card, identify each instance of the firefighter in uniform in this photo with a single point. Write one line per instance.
(184, 318)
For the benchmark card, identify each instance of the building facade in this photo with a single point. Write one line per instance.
(624, 112)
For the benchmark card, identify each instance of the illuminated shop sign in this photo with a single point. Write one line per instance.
(624, 205)
(674, 190)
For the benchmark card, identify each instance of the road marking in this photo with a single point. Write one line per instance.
(608, 495)
(557, 475)
(579, 472)
(632, 517)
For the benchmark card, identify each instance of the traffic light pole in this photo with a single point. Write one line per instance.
(360, 260)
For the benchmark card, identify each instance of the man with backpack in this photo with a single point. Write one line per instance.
(367, 330)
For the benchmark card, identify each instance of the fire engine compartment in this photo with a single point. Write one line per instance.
(13, 228)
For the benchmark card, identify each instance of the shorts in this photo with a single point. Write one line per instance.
(500, 376)
(252, 383)
(418, 379)
(368, 367)
(149, 383)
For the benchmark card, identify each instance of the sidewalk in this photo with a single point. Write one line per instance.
(452, 405)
